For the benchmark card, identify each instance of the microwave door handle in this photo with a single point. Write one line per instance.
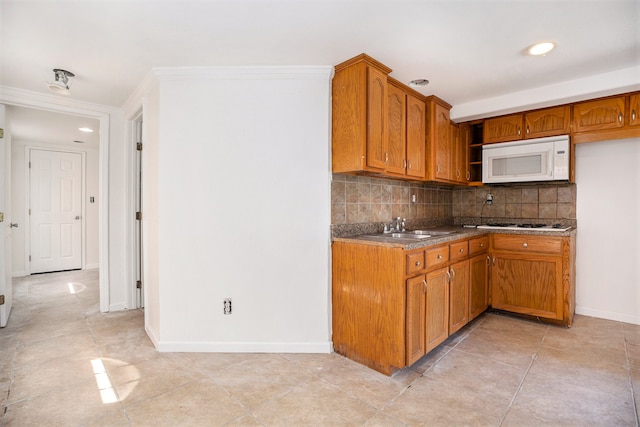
(550, 163)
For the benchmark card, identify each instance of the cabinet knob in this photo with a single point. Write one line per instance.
(526, 245)
(620, 117)
(386, 157)
(418, 263)
(481, 245)
(633, 115)
(461, 251)
(439, 256)
(528, 130)
(519, 131)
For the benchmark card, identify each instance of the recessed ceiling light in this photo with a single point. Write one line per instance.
(88, 130)
(418, 82)
(541, 48)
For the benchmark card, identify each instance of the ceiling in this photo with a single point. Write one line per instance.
(469, 50)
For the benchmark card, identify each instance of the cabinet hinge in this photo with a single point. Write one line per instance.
(139, 146)
(1, 299)
(29, 258)
(139, 284)
(139, 216)
(29, 165)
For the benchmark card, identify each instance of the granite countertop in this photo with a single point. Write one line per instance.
(459, 234)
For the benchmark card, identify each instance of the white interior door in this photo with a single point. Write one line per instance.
(6, 293)
(56, 210)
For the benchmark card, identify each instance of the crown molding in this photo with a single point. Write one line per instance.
(241, 73)
(26, 98)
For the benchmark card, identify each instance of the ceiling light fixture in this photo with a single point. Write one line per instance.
(88, 130)
(540, 49)
(61, 85)
(418, 83)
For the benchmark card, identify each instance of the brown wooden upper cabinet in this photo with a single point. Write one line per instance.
(438, 140)
(503, 129)
(634, 110)
(547, 122)
(600, 114)
(534, 124)
(360, 140)
(603, 119)
(407, 132)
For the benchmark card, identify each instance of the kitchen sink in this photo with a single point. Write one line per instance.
(408, 235)
(432, 233)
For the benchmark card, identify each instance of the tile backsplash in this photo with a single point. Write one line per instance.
(367, 200)
(553, 202)
(360, 199)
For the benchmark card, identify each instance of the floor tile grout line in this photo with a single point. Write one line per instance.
(524, 377)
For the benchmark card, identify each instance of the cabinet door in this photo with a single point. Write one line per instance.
(457, 174)
(415, 341)
(397, 130)
(416, 137)
(437, 308)
(458, 296)
(598, 115)
(634, 110)
(461, 149)
(442, 143)
(377, 154)
(527, 284)
(503, 129)
(478, 285)
(547, 122)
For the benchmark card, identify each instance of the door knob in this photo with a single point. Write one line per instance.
(77, 216)
(13, 225)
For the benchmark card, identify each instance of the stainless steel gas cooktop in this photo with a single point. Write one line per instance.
(537, 227)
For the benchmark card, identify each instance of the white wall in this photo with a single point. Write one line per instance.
(243, 209)
(608, 242)
(19, 184)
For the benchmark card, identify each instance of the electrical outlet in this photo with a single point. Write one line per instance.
(489, 198)
(227, 306)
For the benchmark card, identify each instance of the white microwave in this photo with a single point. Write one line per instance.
(541, 159)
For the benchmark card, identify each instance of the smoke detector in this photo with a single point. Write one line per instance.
(61, 85)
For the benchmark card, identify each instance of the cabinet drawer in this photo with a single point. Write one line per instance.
(437, 256)
(479, 245)
(415, 262)
(459, 250)
(527, 244)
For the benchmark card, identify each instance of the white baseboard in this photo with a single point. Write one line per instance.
(91, 266)
(601, 314)
(19, 274)
(243, 347)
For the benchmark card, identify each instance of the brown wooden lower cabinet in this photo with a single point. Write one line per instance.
(479, 285)
(437, 308)
(459, 296)
(534, 276)
(392, 306)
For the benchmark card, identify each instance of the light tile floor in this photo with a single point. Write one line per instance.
(63, 363)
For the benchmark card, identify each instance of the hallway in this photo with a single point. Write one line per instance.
(63, 363)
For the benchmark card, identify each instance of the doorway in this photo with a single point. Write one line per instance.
(97, 163)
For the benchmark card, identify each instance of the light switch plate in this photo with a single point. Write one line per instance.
(1, 133)
(1, 216)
